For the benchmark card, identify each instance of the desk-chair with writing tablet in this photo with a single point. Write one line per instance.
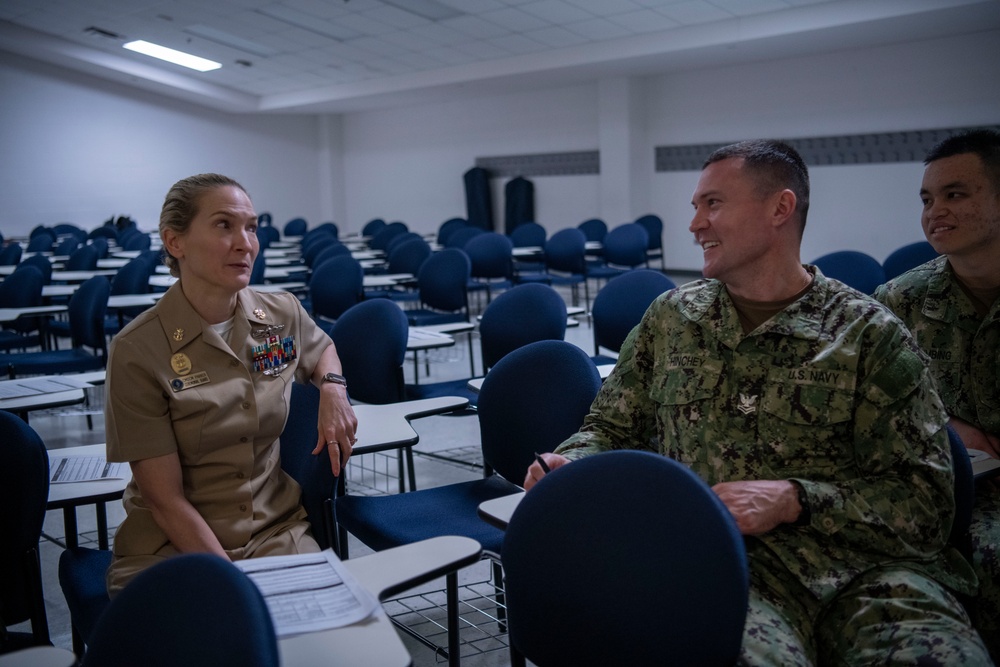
(87, 309)
(654, 227)
(492, 262)
(620, 305)
(24, 491)
(196, 610)
(658, 573)
(336, 286)
(22, 289)
(624, 250)
(565, 263)
(532, 400)
(371, 343)
(523, 314)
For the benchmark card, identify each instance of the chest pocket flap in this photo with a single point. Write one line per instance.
(681, 385)
(809, 396)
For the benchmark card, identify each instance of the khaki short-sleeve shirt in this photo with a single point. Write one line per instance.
(174, 385)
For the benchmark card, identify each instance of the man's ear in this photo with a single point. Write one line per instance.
(784, 207)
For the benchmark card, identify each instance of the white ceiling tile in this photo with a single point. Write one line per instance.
(378, 47)
(395, 17)
(391, 66)
(473, 26)
(484, 50)
(556, 11)
(556, 37)
(606, 7)
(519, 44)
(474, 6)
(323, 9)
(438, 34)
(364, 24)
(514, 19)
(661, 3)
(749, 7)
(448, 56)
(598, 29)
(423, 61)
(644, 20)
(691, 12)
(407, 40)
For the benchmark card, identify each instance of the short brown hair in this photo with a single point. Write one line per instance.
(774, 165)
(181, 206)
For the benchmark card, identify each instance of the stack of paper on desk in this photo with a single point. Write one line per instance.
(308, 592)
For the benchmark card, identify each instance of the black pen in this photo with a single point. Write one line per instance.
(541, 462)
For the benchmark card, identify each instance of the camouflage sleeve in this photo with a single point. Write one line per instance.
(881, 295)
(901, 502)
(622, 415)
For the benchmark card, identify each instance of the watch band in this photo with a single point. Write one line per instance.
(335, 379)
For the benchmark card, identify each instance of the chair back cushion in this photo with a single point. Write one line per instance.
(24, 491)
(22, 289)
(654, 227)
(594, 229)
(87, 309)
(521, 315)
(408, 256)
(443, 280)
(336, 285)
(625, 558)
(626, 245)
(532, 400)
(371, 343)
(386, 234)
(908, 257)
(490, 255)
(528, 234)
(372, 227)
(564, 251)
(854, 269)
(311, 471)
(196, 610)
(622, 302)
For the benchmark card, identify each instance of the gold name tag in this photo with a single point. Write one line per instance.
(180, 384)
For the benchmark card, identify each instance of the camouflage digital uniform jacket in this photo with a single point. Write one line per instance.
(831, 392)
(964, 348)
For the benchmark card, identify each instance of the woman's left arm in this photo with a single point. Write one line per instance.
(337, 423)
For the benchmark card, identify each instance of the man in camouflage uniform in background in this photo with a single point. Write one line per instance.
(808, 409)
(952, 306)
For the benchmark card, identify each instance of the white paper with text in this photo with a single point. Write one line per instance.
(308, 592)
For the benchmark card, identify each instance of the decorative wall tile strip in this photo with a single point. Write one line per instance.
(875, 148)
(542, 164)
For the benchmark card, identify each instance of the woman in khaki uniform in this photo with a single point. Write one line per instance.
(198, 389)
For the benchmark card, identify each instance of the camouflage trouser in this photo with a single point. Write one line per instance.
(885, 617)
(985, 537)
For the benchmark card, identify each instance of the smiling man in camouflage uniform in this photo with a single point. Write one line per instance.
(952, 306)
(807, 407)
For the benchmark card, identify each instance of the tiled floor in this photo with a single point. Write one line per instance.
(454, 437)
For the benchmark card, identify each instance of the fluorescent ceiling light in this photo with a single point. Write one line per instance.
(172, 56)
